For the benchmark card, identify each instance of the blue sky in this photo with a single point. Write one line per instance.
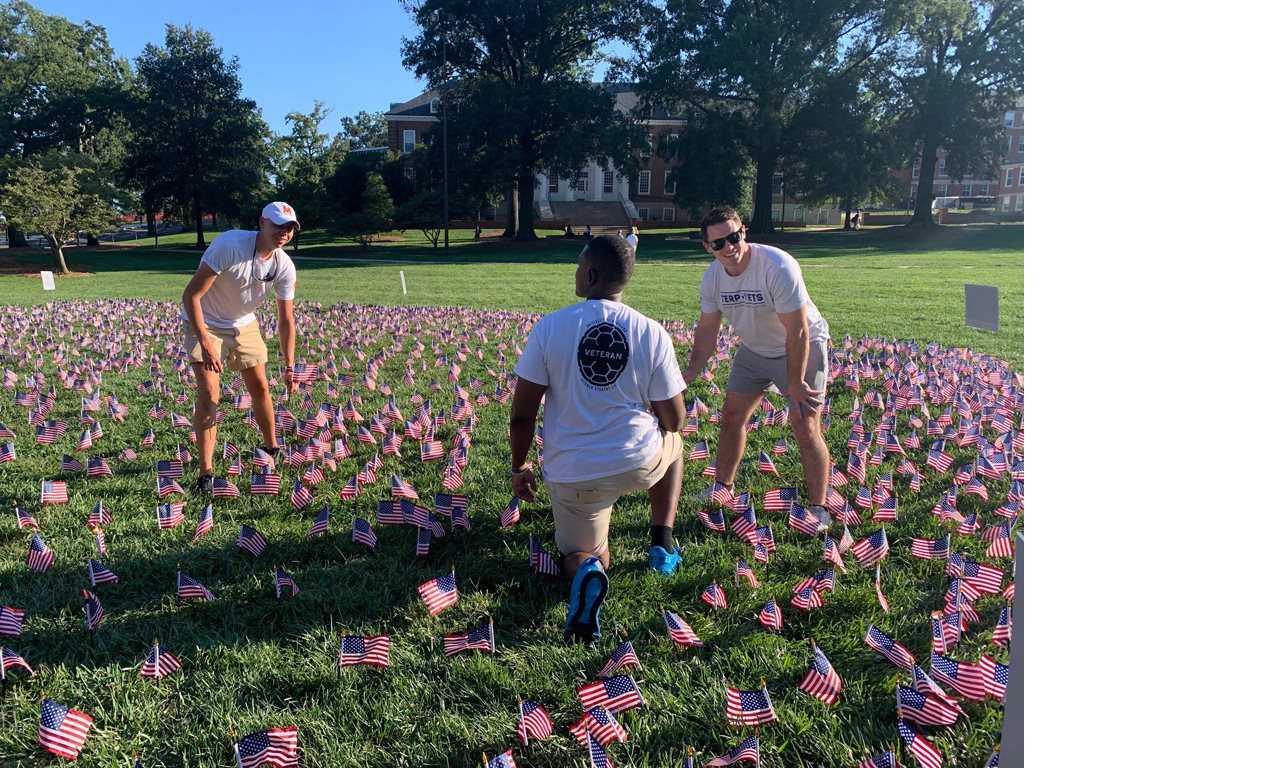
(344, 54)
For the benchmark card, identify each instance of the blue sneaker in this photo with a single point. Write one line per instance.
(586, 597)
(664, 563)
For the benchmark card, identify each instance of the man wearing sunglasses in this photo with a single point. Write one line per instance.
(237, 273)
(759, 290)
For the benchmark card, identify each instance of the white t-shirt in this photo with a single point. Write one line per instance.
(240, 288)
(633, 241)
(751, 301)
(602, 363)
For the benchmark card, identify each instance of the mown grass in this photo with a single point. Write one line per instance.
(253, 663)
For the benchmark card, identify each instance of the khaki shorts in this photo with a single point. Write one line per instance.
(582, 510)
(238, 349)
(754, 373)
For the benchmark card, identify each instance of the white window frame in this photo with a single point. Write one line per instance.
(642, 183)
(1005, 202)
(668, 186)
(553, 183)
(408, 140)
(643, 214)
(583, 182)
(984, 190)
(966, 190)
(942, 190)
(606, 186)
(777, 185)
(668, 214)
(823, 216)
(1008, 119)
(435, 106)
(1022, 175)
(1021, 138)
(673, 144)
(1008, 177)
(1017, 205)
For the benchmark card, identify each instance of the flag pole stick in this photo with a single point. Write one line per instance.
(524, 740)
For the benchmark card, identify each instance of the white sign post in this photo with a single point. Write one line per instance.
(47, 279)
(403, 287)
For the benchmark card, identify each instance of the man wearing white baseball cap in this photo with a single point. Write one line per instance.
(237, 272)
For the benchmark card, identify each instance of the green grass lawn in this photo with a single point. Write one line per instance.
(251, 662)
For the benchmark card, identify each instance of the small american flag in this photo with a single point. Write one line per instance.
(11, 620)
(619, 660)
(320, 525)
(965, 678)
(802, 520)
(504, 760)
(995, 676)
(925, 752)
(617, 694)
(25, 518)
(1001, 634)
(924, 709)
(831, 553)
(766, 464)
(39, 556)
(872, 549)
(699, 451)
(439, 593)
(171, 469)
(277, 747)
(712, 519)
(744, 525)
(53, 492)
(8, 453)
(100, 574)
(510, 513)
(534, 722)
(884, 602)
(370, 650)
(540, 560)
(714, 596)
(821, 681)
(402, 489)
(98, 467)
(170, 515)
(70, 464)
(166, 487)
(807, 598)
(264, 484)
(743, 570)
(63, 730)
(931, 549)
(285, 582)
(301, 495)
(445, 503)
(190, 589)
(159, 663)
(478, 639)
(888, 511)
(595, 752)
(890, 649)
(771, 616)
(780, 499)
(93, 612)
(362, 534)
(600, 723)
(883, 760)
(9, 659)
(981, 577)
(747, 750)
(251, 541)
(764, 538)
(680, 631)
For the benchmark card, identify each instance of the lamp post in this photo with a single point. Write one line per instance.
(444, 103)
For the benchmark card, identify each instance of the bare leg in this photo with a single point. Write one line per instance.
(738, 407)
(664, 495)
(815, 458)
(206, 424)
(574, 560)
(255, 380)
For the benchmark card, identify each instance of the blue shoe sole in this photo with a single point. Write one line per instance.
(589, 594)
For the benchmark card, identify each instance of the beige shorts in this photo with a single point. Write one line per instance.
(239, 349)
(582, 510)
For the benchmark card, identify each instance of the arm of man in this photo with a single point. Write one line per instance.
(670, 413)
(524, 414)
(704, 343)
(288, 335)
(197, 288)
(797, 328)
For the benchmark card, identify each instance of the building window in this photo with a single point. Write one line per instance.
(1022, 176)
(1021, 136)
(553, 183)
(489, 214)
(1008, 119)
(967, 190)
(942, 190)
(642, 184)
(410, 139)
(1008, 177)
(1004, 206)
(673, 144)
(668, 184)
(1008, 143)
(1018, 203)
(799, 215)
(607, 186)
(668, 214)
(915, 190)
(643, 213)
(410, 173)
(777, 185)
(984, 190)
(581, 184)
(776, 213)
(823, 218)
(942, 167)
(915, 171)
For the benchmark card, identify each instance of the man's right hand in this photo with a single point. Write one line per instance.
(211, 361)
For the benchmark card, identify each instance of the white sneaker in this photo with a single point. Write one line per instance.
(824, 517)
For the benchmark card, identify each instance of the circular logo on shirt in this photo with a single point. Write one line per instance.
(602, 354)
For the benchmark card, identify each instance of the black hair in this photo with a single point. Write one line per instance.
(719, 216)
(611, 256)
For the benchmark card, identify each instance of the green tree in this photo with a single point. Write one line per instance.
(715, 168)
(195, 140)
(307, 160)
(61, 89)
(53, 202)
(374, 215)
(755, 67)
(364, 130)
(528, 62)
(961, 68)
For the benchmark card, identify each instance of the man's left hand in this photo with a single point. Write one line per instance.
(291, 386)
(807, 399)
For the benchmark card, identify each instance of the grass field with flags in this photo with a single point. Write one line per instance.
(227, 615)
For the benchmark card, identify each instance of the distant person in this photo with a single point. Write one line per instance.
(568, 230)
(857, 218)
(587, 234)
(237, 272)
(633, 239)
(612, 421)
(759, 290)
(477, 237)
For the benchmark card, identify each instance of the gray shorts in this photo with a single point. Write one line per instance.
(754, 373)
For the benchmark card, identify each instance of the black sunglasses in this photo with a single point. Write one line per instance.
(271, 275)
(733, 238)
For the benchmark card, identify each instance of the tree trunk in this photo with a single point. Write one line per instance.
(524, 222)
(848, 212)
(199, 214)
(16, 238)
(923, 217)
(762, 215)
(512, 214)
(151, 223)
(59, 262)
